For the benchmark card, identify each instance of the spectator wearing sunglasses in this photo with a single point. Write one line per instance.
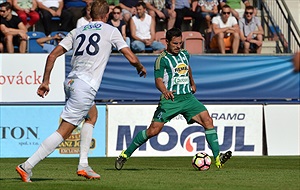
(117, 22)
(225, 32)
(251, 31)
(236, 7)
(12, 30)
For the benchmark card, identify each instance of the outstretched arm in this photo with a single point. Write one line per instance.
(134, 61)
(44, 87)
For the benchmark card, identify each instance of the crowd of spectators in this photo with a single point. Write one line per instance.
(226, 26)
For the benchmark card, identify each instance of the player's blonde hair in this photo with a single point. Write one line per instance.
(99, 9)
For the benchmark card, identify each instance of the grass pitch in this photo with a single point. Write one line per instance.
(240, 172)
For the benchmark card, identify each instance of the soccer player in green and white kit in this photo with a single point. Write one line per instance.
(173, 77)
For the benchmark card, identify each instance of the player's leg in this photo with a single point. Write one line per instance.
(47, 147)
(206, 121)
(164, 112)
(143, 136)
(138, 140)
(85, 141)
(195, 111)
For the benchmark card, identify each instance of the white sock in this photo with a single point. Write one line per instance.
(46, 148)
(85, 143)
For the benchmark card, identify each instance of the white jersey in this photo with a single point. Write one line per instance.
(92, 46)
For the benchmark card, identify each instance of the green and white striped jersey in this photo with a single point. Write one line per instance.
(173, 69)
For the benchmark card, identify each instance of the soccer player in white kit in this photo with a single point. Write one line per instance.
(91, 46)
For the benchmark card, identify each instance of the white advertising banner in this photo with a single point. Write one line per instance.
(239, 129)
(21, 75)
(283, 129)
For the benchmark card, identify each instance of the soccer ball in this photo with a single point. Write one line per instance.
(201, 161)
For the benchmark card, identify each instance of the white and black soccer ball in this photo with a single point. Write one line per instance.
(201, 161)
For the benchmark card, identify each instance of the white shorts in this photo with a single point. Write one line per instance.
(80, 98)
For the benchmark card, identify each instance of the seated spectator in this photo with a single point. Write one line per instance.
(209, 9)
(12, 30)
(117, 22)
(251, 31)
(183, 9)
(76, 7)
(53, 8)
(128, 9)
(236, 9)
(162, 10)
(142, 28)
(86, 18)
(11, 3)
(112, 4)
(26, 8)
(47, 46)
(225, 32)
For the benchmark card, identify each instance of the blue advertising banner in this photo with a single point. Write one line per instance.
(217, 78)
(24, 128)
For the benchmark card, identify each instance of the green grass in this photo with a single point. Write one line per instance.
(241, 172)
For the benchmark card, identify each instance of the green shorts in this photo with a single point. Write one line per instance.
(186, 105)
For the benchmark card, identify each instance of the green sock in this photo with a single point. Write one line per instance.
(138, 140)
(212, 139)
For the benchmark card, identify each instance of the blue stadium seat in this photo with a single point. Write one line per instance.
(33, 46)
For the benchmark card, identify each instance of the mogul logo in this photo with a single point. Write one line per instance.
(181, 69)
(72, 144)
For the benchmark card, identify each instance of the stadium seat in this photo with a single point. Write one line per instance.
(161, 37)
(32, 45)
(193, 42)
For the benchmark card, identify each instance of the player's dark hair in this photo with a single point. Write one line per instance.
(173, 32)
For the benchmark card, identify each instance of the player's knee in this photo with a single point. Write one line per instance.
(91, 120)
(208, 123)
(151, 132)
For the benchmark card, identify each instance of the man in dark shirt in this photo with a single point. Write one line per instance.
(12, 30)
(128, 8)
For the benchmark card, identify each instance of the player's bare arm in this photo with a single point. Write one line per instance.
(44, 89)
(134, 61)
(161, 87)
